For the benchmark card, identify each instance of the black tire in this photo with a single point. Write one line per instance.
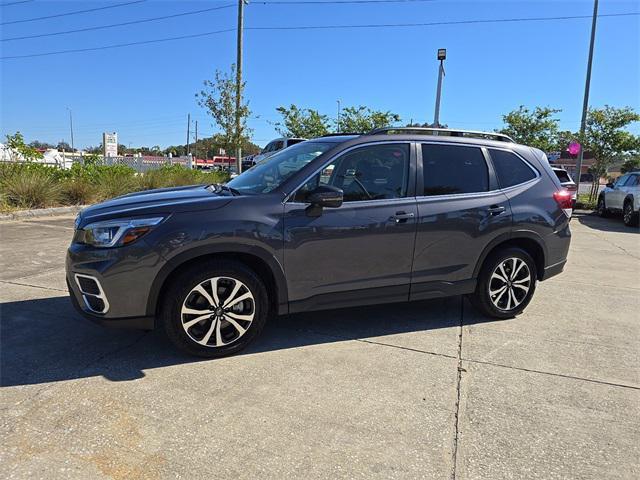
(629, 217)
(481, 298)
(181, 292)
(602, 208)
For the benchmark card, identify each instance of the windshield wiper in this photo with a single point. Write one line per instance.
(219, 188)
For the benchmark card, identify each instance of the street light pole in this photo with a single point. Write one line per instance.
(442, 55)
(338, 124)
(71, 127)
(587, 86)
(239, 83)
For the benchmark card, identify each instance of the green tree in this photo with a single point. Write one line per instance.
(218, 98)
(362, 119)
(18, 150)
(301, 122)
(631, 163)
(606, 138)
(537, 129)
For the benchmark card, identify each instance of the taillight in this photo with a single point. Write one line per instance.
(564, 201)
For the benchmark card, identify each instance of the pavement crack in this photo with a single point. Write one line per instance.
(33, 286)
(459, 371)
(561, 375)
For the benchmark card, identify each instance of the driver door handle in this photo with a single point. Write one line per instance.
(402, 216)
(496, 209)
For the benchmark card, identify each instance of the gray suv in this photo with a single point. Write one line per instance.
(395, 215)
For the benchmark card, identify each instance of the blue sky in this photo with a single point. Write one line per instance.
(145, 92)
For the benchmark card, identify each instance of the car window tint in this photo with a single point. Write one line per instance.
(450, 169)
(294, 141)
(621, 180)
(368, 173)
(510, 169)
(634, 181)
(562, 176)
(279, 145)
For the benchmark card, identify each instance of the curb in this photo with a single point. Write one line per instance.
(41, 212)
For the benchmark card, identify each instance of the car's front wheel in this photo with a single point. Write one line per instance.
(215, 309)
(602, 207)
(506, 283)
(629, 217)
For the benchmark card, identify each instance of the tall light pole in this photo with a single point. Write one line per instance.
(239, 83)
(71, 128)
(587, 86)
(338, 123)
(442, 55)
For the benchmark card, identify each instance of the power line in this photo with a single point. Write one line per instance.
(334, 2)
(120, 45)
(433, 24)
(318, 27)
(133, 22)
(14, 3)
(76, 12)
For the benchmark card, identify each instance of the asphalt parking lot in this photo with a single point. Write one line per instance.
(425, 390)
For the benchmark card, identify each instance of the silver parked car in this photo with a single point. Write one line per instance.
(275, 146)
(622, 196)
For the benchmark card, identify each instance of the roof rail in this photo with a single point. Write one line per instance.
(447, 132)
(340, 134)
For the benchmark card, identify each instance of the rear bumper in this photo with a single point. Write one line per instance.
(553, 270)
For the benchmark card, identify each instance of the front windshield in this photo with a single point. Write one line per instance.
(269, 175)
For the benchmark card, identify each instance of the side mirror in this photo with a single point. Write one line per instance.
(323, 196)
(326, 196)
(609, 185)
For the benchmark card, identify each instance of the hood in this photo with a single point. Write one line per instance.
(162, 200)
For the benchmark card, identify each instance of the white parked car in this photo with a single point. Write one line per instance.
(622, 196)
(567, 182)
(274, 146)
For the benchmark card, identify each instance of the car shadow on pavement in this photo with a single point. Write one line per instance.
(45, 340)
(611, 224)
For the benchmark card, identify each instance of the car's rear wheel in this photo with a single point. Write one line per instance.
(629, 217)
(602, 207)
(506, 283)
(215, 309)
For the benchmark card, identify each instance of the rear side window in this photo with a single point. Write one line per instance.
(562, 176)
(293, 142)
(279, 145)
(450, 169)
(510, 168)
(633, 181)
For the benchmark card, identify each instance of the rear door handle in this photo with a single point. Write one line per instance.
(496, 209)
(402, 216)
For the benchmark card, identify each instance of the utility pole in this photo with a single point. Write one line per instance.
(188, 149)
(71, 127)
(442, 55)
(239, 84)
(587, 86)
(338, 127)
(195, 145)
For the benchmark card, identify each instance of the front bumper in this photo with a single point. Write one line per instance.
(123, 278)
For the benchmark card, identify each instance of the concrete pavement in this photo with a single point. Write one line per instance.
(423, 390)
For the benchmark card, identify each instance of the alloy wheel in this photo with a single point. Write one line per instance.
(627, 214)
(218, 311)
(510, 283)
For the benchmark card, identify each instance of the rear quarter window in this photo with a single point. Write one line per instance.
(562, 176)
(510, 169)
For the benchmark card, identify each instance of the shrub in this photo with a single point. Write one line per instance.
(114, 180)
(24, 186)
(78, 191)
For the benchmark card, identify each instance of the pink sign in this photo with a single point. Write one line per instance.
(573, 148)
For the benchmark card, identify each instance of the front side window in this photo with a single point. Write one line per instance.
(510, 169)
(633, 181)
(621, 180)
(279, 145)
(269, 175)
(453, 169)
(373, 172)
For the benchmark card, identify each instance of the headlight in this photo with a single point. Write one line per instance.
(118, 232)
